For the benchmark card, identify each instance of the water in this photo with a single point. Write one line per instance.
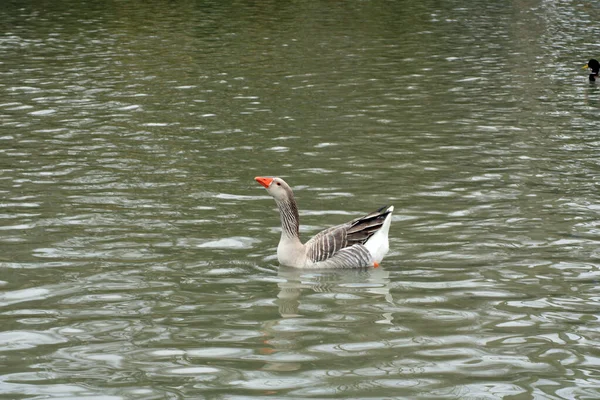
(137, 254)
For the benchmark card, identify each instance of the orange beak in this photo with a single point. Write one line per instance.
(266, 182)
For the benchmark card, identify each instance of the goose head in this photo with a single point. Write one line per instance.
(276, 187)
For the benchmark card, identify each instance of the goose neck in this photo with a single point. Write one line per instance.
(290, 220)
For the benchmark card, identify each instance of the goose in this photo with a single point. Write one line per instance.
(362, 242)
(594, 66)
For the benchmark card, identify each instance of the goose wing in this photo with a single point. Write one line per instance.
(329, 242)
(355, 256)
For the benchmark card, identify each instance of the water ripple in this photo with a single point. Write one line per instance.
(139, 257)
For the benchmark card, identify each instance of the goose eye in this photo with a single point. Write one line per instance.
(278, 184)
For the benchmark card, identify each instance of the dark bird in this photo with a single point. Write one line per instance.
(594, 66)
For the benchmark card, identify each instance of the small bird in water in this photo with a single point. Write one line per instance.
(359, 243)
(594, 66)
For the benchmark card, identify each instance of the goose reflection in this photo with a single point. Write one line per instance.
(340, 283)
(285, 337)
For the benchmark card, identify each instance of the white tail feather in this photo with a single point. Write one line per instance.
(378, 244)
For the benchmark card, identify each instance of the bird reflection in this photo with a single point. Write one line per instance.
(359, 281)
(285, 336)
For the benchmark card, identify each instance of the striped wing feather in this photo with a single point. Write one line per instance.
(348, 257)
(327, 243)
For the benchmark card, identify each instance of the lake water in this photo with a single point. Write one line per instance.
(138, 255)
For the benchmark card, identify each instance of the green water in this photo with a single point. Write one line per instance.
(138, 255)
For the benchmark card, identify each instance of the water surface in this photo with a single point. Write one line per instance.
(137, 254)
